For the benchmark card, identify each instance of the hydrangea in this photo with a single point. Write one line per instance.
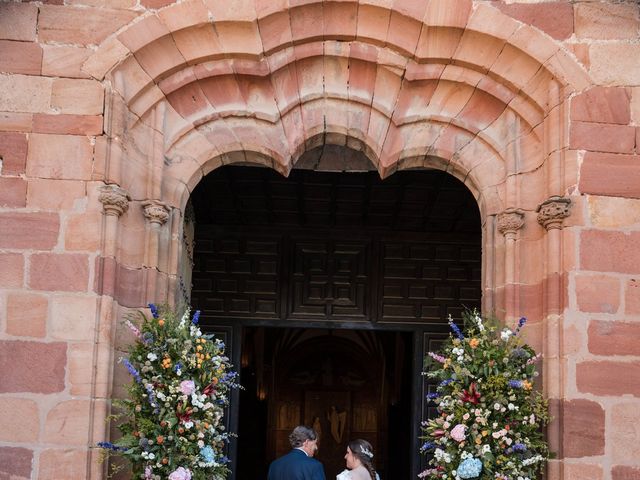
(469, 468)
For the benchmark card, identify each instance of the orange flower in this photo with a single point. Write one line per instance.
(527, 385)
(161, 322)
(159, 439)
(474, 342)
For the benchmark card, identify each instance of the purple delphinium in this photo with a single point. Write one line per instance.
(111, 446)
(196, 317)
(154, 310)
(519, 447)
(132, 370)
(427, 446)
(456, 330)
(515, 383)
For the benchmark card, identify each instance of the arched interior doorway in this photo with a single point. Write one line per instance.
(329, 287)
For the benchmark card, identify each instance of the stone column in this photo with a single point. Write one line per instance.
(509, 222)
(157, 214)
(115, 202)
(551, 215)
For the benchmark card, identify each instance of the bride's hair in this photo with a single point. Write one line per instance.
(364, 452)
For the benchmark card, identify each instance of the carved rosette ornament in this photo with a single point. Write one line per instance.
(115, 200)
(156, 212)
(510, 221)
(553, 211)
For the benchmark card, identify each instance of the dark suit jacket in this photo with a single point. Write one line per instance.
(295, 465)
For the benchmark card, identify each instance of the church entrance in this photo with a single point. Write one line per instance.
(329, 288)
(345, 383)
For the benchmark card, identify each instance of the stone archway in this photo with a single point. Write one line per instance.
(467, 90)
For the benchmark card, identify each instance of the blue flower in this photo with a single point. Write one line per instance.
(111, 446)
(207, 454)
(132, 370)
(456, 330)
(427, 446)
(154, 310)
(147, 338)
(519, 447)
(152, 398)
(469, 468)
(515, 383)
(196, 317)
(177, 366)
(521, 322)
(432, 396)
(446, 382)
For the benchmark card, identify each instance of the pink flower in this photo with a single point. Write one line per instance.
(457, 433)
(187, 387)
(180, 473)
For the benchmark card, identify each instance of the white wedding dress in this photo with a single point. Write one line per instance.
(359, 473)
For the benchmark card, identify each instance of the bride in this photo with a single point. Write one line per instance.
(359, 459)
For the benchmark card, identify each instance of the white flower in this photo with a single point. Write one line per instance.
(152, 356)
(486, 449)
(188, 425)
(511, 406)
(497, 406)
(506, 334)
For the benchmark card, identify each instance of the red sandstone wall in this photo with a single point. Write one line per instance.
(53, 231)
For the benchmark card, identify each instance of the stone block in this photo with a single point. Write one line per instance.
(597, 293)
(583, 425)
(73, 318)
(622, 253)
(601, 137)
(80, 368)
(20, 57)
(275, 31)
(54, 195)
(606, 20)
(18, 21)
(62, 463)
(27, 314)
(83, 232)
(582, 471)
(80, 26)
(130, 287)
(632, 297)
(67, 124)
(608, 378)
(64, 61)
(15, 122)
(623, 472)
(19, 419)
(29, 230)
(66, 157)
(77, 96)
(602, 105)
(35, 367)
(614, 337)
(108, 54)
(614, 212)
(624, 433)
(13, 150)
(22, 93)
(608, 65)
(610, 174)
(554, 18)
(59, 272)
(15, 463)
(11, 268)
(13, 192)
(68, 422)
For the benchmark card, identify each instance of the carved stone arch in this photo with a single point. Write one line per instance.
(230, 88)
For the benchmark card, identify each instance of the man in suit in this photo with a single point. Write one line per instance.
(299, 463)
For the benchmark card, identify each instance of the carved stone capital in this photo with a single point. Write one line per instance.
(156, 211)
(553, 211)
(115, 200)
(510, 221)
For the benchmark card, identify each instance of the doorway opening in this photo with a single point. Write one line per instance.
(328, 288)
(347, 384)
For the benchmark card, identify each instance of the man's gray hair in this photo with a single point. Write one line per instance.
(301, 434)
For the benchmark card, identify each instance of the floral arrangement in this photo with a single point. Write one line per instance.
(490, 417)
(171, 422)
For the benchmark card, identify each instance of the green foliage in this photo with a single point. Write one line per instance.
(490, 419)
